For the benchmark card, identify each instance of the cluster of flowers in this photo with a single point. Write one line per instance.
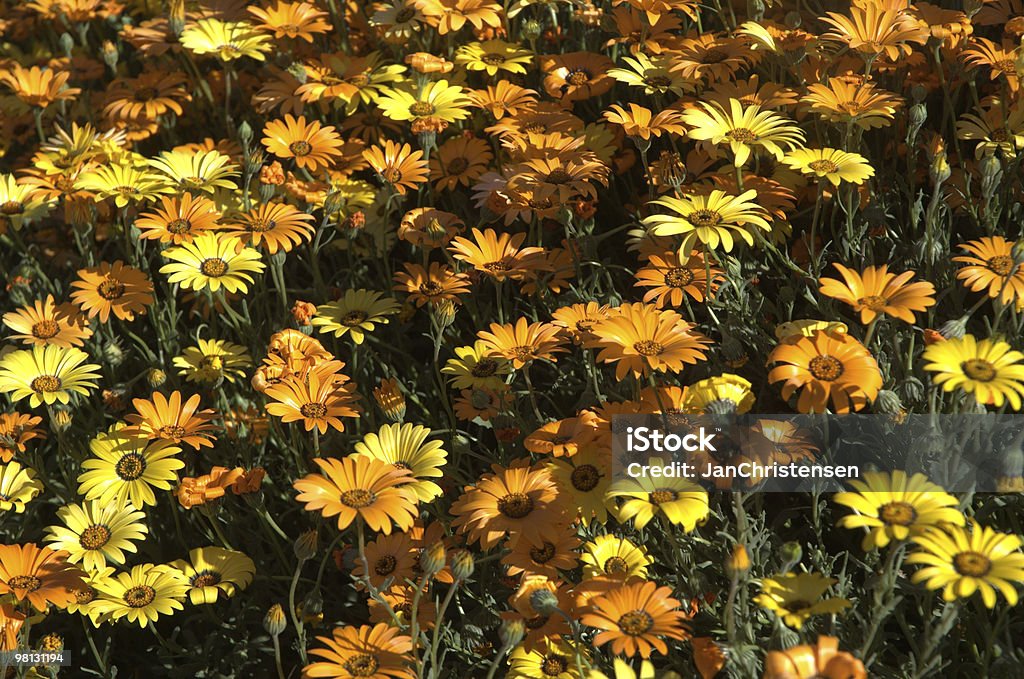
(510, 224)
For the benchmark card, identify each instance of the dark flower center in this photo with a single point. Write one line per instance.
(873, 302)
(45, 383)
(422, 108)
(577, 77)
(172, 431)
(458, 165)
(648, 348)
(313, 411)
(585, 477)
(484, 368)
(826, 368)
(704, 218)
(357, 498)
(353, 318)
(543, 554)
(110, 289)
(554, 665)
(130, 467)
(179, 226)
(94, 537)
(45, 329)
(678, 277)
(898, 513)
(1001, 265)
(205, 579)
(616, 565)
(661, 496)
(515, 505)
(979, 370)
(300, 148)
(139, 596)
(29, 583)
(385, 565)
(213, 267)
(972, 564)
(742, 135)
(361, 665)
(635, 623)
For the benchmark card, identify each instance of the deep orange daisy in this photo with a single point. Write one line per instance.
(312, 146)
(169, 419)
(39, 574)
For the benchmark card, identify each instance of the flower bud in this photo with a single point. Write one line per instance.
(463, 565)
(60, 419)
(1017, 252)
(109, 52)
(793, 20)
(176, 16)
(274, 621)
(432, 558)
(305, 545)
(1012, 477)
(939, 169)
(954, 329)
(531, 29)
(511, 632)
(544, 601)
(918, 115)
(390, 399)
(738, 562)
(311, 610)
(918, 93)
(792, 552)
(444, 312)
(67, 43)
(888, 402)
(156, 377)
(245, 132)
(113, 353)
(991, 174)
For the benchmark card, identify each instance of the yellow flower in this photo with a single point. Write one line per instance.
(143, 594)
(212, 571)
(710, 219)
(613, 556)
(124, 183)
(988, 368)
(961, 562)
(357, 312)
(743, 129)
(473, 368)
(437, 99)
(125, 469)
(405, 446)
(211, 261)
(47, 374)
(212, 361)
(895, 507)
(795, 597)
(723, 394)
(21, 203)
(199, 171)
(18, 487)
(97, 533)
(833, 164)
(681, 501)
(492, 56)
(228, 40)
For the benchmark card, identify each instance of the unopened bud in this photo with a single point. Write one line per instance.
(274, 621)
(311, 610)
(109, 52)
(245, 132)
(305, 545)
(463, 565)
(793, 20)
(444, 312)
(544, 601)
(390, 399)
(511, 632)
(939, 170)
(918, 115)
(60, 419)
(531, 29)
(792, 552)
(738, 562)
(156, 377)
(954, 329)
(888, 402)
(113, 353)
(432, 558)
(991, 174)
(67, 44)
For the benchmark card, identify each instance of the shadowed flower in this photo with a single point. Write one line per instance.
(795, 597)
(39, 574)
(380, 652)
(876, 291)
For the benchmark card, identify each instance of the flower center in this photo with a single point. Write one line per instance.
(313, 411)
(1001, 265)
(898, 513)
(404, 15)
(585, 477)
(823, 166)
(458, 165)
(1005, 66)
(179, 226)
(171, 431)
(678, 277)
(741, 135)
(205, 579)
(45, 383)
(431, 288)
(493, 59)
(1000, 135)
(94, 537)
(84, 596)
(658, 81)
(422, 108)
(110, 289)
(827, 368)
(45, 329)
(214, 267)
(392, 175)
(648, 348)
(851, 108)
(636, 623)
(145, 93)
(361, 665)
(661, 496)
(130, 467)
(12, 207)
(558, 176)
(484, 368)
(523, 353)
(704, 218)
(978, 370)
(139, 596)
(515, 505)
(873, 302)
(972, 564)
(554, 665)
(385, 565)
(616, 565)
(577, 77)
(29, 583)
(259, 225)
(300, 148)
(353, 318)
(714, 56)
(542, 554)
(357, 498)
(497, 266)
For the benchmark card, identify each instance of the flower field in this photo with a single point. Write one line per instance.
(318, 318)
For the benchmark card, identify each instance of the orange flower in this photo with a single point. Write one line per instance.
(575, 76)
(48, 323)
(990, 265)
(291, 20)
(425, 62)
(874, 28)
(360, 487)
(311, 145)
(11, 621)
(635, 617)
(671, 279)
(822, 660)
(318, 397)
(831, 369)
(117, 288)
(433, 285)
(876, 291)
(351, 650)
(707, 656)
(170, 420)
(498, 256)
(642, 339)
(277, 226)
(303, 312)
(512, 502)
(17, 429)
(449, 16)
(37, 86)
(639, 121)
(179, 219)
(199, 490)
(399, 166)
(249, 482)
(563, 437)
(523, 342)
(39, 574)
(429, 228)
